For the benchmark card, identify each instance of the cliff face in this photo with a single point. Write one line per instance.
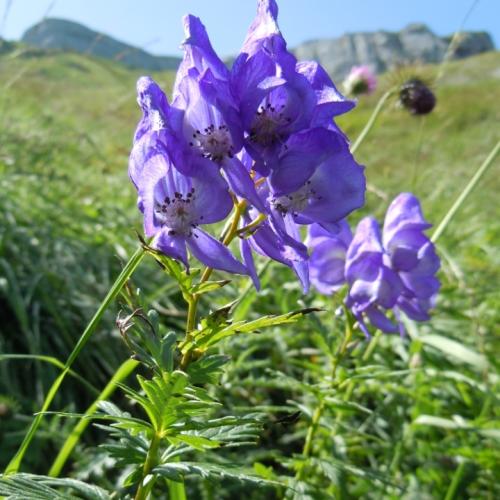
(68, 35)
(383, 50)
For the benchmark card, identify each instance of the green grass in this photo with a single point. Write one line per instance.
(69, 222)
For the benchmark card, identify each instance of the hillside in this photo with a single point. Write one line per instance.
(69, 219)
(61, 34)
(381, 50)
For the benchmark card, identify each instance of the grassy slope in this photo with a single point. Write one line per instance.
(65, 128)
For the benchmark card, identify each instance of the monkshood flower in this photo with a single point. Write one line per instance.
(176, 205)
(360, 80)
(327, 257)
(394, 270)
(412, 255)
(278, 96)
(374, 287)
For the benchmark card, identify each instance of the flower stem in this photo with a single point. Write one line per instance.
(151, 460)
(227, 237)
(313, 427)
(463, 195)
(371, 121)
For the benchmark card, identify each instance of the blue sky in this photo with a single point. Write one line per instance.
(155, 24)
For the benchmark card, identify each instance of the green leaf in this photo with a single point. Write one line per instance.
(208, 286)
(176, 471)
(456, 350)
(24, 486)
(197, 442)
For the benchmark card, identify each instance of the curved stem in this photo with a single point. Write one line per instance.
(127, 271)
(463, 195)
(371, 121)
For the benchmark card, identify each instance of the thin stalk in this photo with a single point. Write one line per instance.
(371, 121)
(318, 412)
(127, 271)
(121, 374)
(455, 482)
(151, 460)
(463, 195)
(228, 236)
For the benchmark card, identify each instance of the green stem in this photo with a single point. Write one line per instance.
(371, 121)
(127, 271)
(455, 482)
(463, 195)
(311, 431)
(227, 237)
(151, 460)
(122, 373)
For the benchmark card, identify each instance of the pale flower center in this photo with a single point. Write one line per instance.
(214, 142)
(177, 214)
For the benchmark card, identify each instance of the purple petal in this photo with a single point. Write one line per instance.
(248, 260)
(213, 253)
(305, 152)
(172, 246)
(330, 102)
(403, 213)
(365, 254)
(338, 186)
(242, 184)
(379, 320)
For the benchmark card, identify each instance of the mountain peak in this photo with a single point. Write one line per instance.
(63, 34)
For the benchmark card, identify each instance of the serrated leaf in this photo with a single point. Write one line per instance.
(176, 471)
(197, 442)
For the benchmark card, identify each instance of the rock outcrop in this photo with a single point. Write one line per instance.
(382, 50)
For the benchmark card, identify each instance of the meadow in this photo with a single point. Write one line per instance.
(413, 417)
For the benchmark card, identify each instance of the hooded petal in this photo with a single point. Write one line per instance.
(365, 253)
(329, 101)
(338, 187)
(305, 152)
(213, 253)
(198, 52)
(404, 213)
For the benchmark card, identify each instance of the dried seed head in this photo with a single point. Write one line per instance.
(417, 97)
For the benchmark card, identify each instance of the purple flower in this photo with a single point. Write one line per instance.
(394, 271)
(275, 100)
(374, 287)
(174, 207)
(327, 257)
(211, 126)
(412, 255)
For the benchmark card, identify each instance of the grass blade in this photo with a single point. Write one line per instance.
(463, 195)
(127, 271)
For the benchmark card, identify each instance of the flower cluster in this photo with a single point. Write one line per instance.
(261, 135)
(394, 270)
(360, 80)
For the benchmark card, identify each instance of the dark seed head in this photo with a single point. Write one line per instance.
(417, 97)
